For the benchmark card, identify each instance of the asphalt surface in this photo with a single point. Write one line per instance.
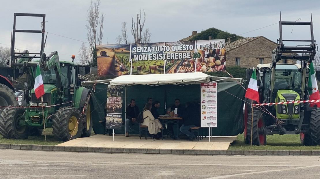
(40, 164)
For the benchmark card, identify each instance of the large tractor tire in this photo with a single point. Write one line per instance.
(312, 137)
(255, 127)
(67, 124)
(12, 124)
(7, 97)
(87, 118)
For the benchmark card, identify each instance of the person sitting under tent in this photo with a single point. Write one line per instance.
(154, 125)
(132, 114)
(154, 109)
(189, 117)
(179, 111)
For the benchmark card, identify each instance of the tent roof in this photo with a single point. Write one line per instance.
(161, 79)
(164, 79)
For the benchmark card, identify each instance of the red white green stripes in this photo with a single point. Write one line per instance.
(313, 86)
(38, 84)
(252, 91)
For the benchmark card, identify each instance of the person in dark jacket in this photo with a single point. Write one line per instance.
(177, 105)
(189, 117)
(131, 117)
(175, 126)
(154, 109)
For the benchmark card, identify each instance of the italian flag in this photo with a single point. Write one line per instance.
(252, 91)
(313, 86)
(38, 84)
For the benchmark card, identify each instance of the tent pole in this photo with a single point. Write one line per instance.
(112, 134)
(209, 133)
(125, 110)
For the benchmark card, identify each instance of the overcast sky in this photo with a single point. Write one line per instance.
(168, 20)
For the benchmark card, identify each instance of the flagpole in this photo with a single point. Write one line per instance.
(44, 122)
(251, 120)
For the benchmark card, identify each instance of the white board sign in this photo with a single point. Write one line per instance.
(209, 112)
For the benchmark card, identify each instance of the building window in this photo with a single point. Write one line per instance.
(237, 61)
(261, 60)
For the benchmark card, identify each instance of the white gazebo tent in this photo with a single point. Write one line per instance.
(166, 79)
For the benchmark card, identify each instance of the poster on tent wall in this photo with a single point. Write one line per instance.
(210, 55)
(113, 60)
(114, 107)
(209, 111)
(164, 57)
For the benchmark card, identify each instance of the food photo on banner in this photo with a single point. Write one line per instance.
(113, 60)
(114, 107)
(210, 55)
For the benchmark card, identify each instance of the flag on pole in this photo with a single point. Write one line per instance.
(38, 84)
(313, 86)
(252, 91)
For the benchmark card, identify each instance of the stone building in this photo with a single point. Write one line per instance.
(249, 52)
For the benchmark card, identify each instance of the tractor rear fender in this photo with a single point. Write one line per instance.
(4, 80)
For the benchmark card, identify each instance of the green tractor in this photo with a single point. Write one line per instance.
(65, 106)
(284, 85)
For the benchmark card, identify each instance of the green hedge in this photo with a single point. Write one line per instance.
(236, 72)
(215, 34)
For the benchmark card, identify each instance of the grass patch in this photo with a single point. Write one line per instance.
(274, 142)
(38, 140)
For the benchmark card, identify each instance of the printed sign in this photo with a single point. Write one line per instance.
(209, 111)
(114, 107)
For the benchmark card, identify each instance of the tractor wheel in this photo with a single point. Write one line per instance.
(12, 124)
(67, 124)
(7, 97)
(257, 126)
(87, 120)
(312, 137)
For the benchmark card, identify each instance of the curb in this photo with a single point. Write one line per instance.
(160, 151)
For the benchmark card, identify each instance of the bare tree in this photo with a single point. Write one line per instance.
(95, 29)
(119, 39)
(4, 56)
(146, 38)
(84, 55)
(124, 32)
(137, 27)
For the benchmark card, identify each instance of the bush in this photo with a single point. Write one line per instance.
(236, 72)
(215, 34)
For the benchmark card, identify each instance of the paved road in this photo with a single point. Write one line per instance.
(38, 164)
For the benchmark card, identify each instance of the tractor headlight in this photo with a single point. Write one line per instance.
(283, 109)
(282, 100)
(43, 104)
(33, 104)
(296, 109)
